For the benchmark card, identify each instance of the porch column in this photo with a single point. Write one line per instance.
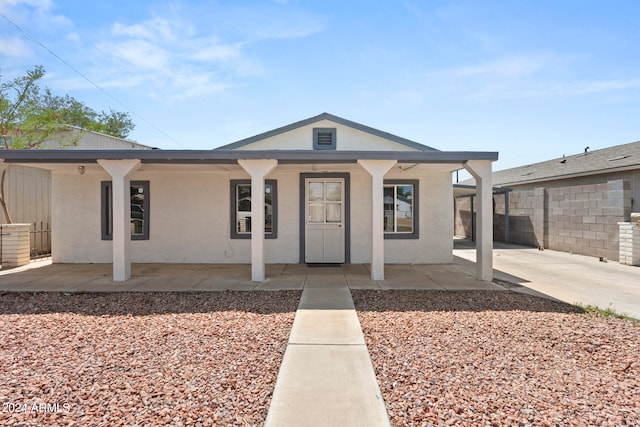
(3, 167)
(481, 171)
(258, 169)
(507, 233)
(377, 169)
(120, 171)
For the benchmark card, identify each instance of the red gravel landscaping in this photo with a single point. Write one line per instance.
(499, 359)
(205, 359)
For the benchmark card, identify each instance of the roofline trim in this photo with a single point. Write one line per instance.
(573, 175)
(331, 117)
(231, 156)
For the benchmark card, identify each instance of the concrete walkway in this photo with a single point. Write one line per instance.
(574, 279)
(326, 377)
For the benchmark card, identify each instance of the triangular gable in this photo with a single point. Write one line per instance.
(349, 136)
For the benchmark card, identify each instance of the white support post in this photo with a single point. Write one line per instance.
(377, 169)
(120, 171)
(3, 167)
(481, 171)
(258, 169)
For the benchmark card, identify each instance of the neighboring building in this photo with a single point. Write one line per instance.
(322, 190)
(28, 189)
(570, 204)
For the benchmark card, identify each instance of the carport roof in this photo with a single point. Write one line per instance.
(220, 156)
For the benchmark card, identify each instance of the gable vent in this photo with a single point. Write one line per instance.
(324, 138)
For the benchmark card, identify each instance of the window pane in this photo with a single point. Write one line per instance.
(316, 213)
(137, 210)
(109, 210)
(404, 208)
(334, 191)
(316, 191)
(244, 198)
(389, 210)
(243, 208)
(268, 208)
(334, 212)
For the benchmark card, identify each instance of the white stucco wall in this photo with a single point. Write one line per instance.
(190, 215)
(347, 139)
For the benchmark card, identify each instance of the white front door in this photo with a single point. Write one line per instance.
(324, 218)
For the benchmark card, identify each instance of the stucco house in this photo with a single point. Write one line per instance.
(573, 203)
(315, 191)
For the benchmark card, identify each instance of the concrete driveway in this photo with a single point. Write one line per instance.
(563, 276)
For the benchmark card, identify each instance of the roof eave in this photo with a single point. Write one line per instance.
(231, 156)
(572, 175)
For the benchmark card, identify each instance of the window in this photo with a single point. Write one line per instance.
(139, 210)
(400, 209)
(241, 209)
(324, 138)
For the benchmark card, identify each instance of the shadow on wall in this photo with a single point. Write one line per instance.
(521, 229)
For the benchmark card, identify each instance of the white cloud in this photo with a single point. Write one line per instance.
(539, 75)
(169, 57)
(138, 54)
(37, 4)
(73, 37)
(153, 29)
(217, 51)
(13, 47)
(38, 13)
(509, 67)
(605, 86)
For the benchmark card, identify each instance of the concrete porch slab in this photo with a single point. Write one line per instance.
(282, 283)
(181, 283)
(44, 276)
(105, 284)
(215, 283)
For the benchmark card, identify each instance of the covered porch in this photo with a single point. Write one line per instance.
(121, 165)
(43, 276)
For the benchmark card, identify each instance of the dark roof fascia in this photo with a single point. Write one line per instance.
(331, 117)
(591, 163)
(231, 156)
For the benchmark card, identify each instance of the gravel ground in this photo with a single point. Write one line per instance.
(499, 359)
(141, 359)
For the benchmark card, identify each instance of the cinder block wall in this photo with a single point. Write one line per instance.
(462, 217)
(581, 219)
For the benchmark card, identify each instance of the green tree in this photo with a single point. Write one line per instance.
(30, 116)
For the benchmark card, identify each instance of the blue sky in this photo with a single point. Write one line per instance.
(531, 79)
